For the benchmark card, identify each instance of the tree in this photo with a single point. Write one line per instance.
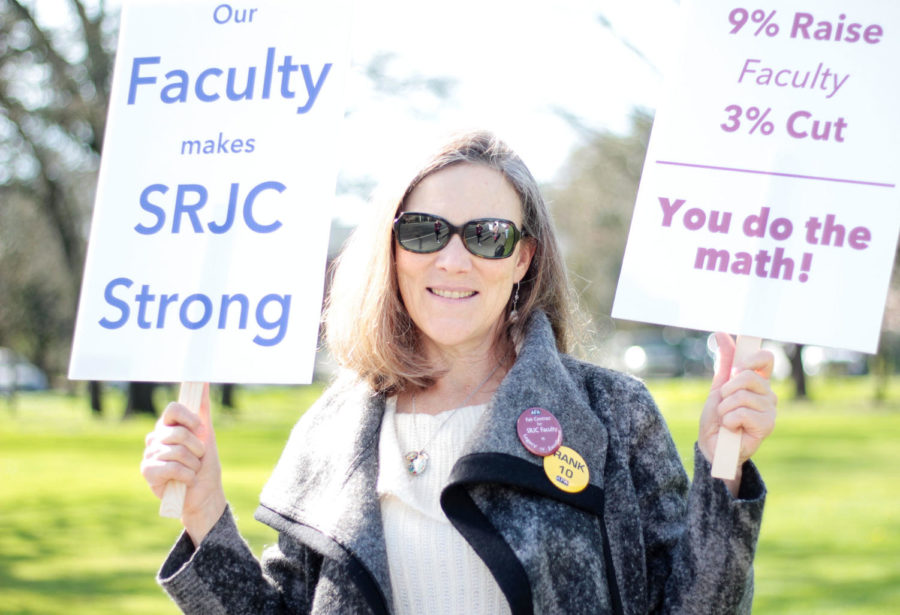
(54, 89)
(798, 375)
(592, 207)
(885, 362)
(54, 93)
(36, 295)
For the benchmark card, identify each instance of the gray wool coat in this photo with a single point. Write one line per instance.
(638, 539)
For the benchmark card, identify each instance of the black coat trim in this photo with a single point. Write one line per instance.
(498, 556)
(326, 546)
(487, 542)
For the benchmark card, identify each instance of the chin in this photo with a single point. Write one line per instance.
(457, 333)
(448, 336)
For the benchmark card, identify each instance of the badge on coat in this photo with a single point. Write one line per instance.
(567, 470)
(539, 431)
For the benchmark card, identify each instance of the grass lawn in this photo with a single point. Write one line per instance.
(80, 533)
(830, 540)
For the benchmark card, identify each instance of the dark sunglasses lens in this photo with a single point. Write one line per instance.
(490, 238)
(421, 233)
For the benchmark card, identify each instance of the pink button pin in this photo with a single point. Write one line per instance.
(539, 431)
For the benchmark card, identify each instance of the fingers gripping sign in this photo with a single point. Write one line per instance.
(181, 463)
(195, 397)
(740, 411)
(173, 451)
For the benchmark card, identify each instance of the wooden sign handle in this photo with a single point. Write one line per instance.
(728, 444)
(173, 497)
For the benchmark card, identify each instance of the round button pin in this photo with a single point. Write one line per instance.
(567, 470)
(539, 431)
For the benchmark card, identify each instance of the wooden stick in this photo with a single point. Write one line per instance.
(173, 497)
(728, 444)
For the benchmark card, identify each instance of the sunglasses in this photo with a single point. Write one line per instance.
(484, 237)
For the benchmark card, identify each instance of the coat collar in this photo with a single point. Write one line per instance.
(325, 482)
(541, 378)
(326, 477)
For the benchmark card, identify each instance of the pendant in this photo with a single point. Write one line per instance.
(416, 462)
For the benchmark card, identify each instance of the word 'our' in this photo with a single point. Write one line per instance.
(225, 13)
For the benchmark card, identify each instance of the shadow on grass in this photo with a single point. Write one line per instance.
(795, 590)
(844, 571)
(97, 554)
(62, 592)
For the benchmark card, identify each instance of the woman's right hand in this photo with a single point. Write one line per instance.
(182, 447)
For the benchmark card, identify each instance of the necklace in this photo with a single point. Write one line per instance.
(417, 460)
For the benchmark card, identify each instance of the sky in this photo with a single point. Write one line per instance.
(513, 64)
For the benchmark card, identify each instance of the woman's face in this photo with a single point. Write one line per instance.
(455, 298)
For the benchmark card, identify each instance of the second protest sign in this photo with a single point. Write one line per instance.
(768, 204)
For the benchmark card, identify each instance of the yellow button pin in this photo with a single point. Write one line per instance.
(567, 470)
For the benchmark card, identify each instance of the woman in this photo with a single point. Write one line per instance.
(464, 463)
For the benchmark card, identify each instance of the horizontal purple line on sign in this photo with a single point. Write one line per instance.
(776, 173)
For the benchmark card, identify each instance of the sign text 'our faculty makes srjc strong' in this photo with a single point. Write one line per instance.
(208, 242)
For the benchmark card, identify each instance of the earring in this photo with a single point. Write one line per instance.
(514, 314)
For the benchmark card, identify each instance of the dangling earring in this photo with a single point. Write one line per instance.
(514, 314)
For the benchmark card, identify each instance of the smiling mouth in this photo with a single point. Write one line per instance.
(452, 294)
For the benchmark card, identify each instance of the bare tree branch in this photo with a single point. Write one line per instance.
(61, 68)
(99, 67)
(52, 194)
(606, 23)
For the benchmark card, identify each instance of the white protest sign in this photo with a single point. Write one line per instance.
(208, 243)
(768, 204)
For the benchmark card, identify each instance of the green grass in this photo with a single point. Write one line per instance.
(79, 529)
(80, 533)
(830, 540)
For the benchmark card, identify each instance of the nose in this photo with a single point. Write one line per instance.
(454, 257)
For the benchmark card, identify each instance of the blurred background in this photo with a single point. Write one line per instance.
(572, 86)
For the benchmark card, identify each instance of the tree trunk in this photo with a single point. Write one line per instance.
(140, 399)
(228, 396)
(881, 367)
(95, 390)
(795, 354)
(11, 399)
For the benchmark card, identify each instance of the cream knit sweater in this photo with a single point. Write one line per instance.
(433, 569)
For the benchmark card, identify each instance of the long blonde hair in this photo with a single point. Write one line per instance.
(367, 327)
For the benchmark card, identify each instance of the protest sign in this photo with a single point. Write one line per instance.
(768, 204)
(208, 242)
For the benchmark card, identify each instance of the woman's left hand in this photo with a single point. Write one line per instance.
(743, 401)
